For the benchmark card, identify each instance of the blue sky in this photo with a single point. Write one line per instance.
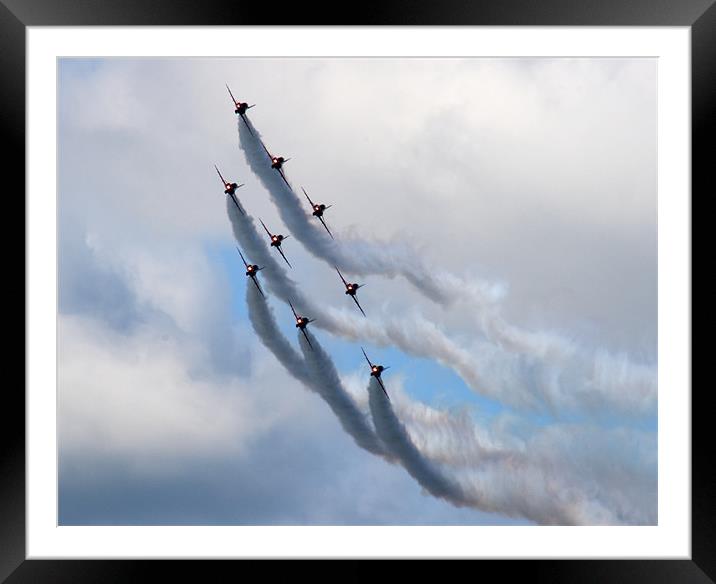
(521, 173)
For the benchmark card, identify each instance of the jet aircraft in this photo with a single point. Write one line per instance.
(351, 289)
(276, 239)
(318, 210)
(230, 189)
(302, 323)
(240, 108)
(375, 371)
(277, 163)
(252, 271)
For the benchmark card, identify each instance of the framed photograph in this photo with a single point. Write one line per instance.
(207, 376)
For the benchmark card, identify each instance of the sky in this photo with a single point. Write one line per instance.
(524, 190)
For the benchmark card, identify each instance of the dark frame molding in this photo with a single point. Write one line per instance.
(16, 15)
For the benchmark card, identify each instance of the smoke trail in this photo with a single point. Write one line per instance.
(416, 337)
(424, 444)
(474, 493)
(568, 382)
(534, 371)
(329, 386)
(564, 475)
(397, 440)
(555, 380)
(455, 460)
(355, 255)
(264, 323)
(249, 238)
(361, 257)
(316, 372)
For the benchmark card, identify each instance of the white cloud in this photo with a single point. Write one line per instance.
(134, 397)
(180, 381)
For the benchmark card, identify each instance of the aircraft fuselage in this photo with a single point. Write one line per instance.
(376, 370)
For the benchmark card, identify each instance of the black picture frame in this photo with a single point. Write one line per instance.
(16, 15)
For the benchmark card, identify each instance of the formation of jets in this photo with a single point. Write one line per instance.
(276, 239)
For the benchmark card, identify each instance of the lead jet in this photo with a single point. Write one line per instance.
(302, 323)
(230, 190)
(318, 210)
(251, 270)
(277, 163)
(351, 289)
(375, 371)
(276, 239)
(240, 108)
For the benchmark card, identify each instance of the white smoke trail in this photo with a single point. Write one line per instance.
(535, 371)
(456, 460)
(564, 475)
(356, 256)
(417, 449)
(328, 384)
(452, 458)
(556, 381)
(264, 324)
(397, 440)
(315, 370)
(250, 240)
(363, 258)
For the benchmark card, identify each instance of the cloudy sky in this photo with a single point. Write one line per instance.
(522, 190)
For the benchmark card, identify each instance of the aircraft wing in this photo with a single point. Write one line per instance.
(293, 309)
(326, 226)
(257, 285)
(309, 198)
(359, 306)
(305, 334)
(266, 150)
(231, 94)
(366, 357)
(242, 258)
(283, 176)
(284, 257)
(266, 228)
(221, 177)
(233, 198)
(342, 278)
(243, 117)
(383, 388)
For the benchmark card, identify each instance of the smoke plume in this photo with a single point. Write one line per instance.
(329, 385)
